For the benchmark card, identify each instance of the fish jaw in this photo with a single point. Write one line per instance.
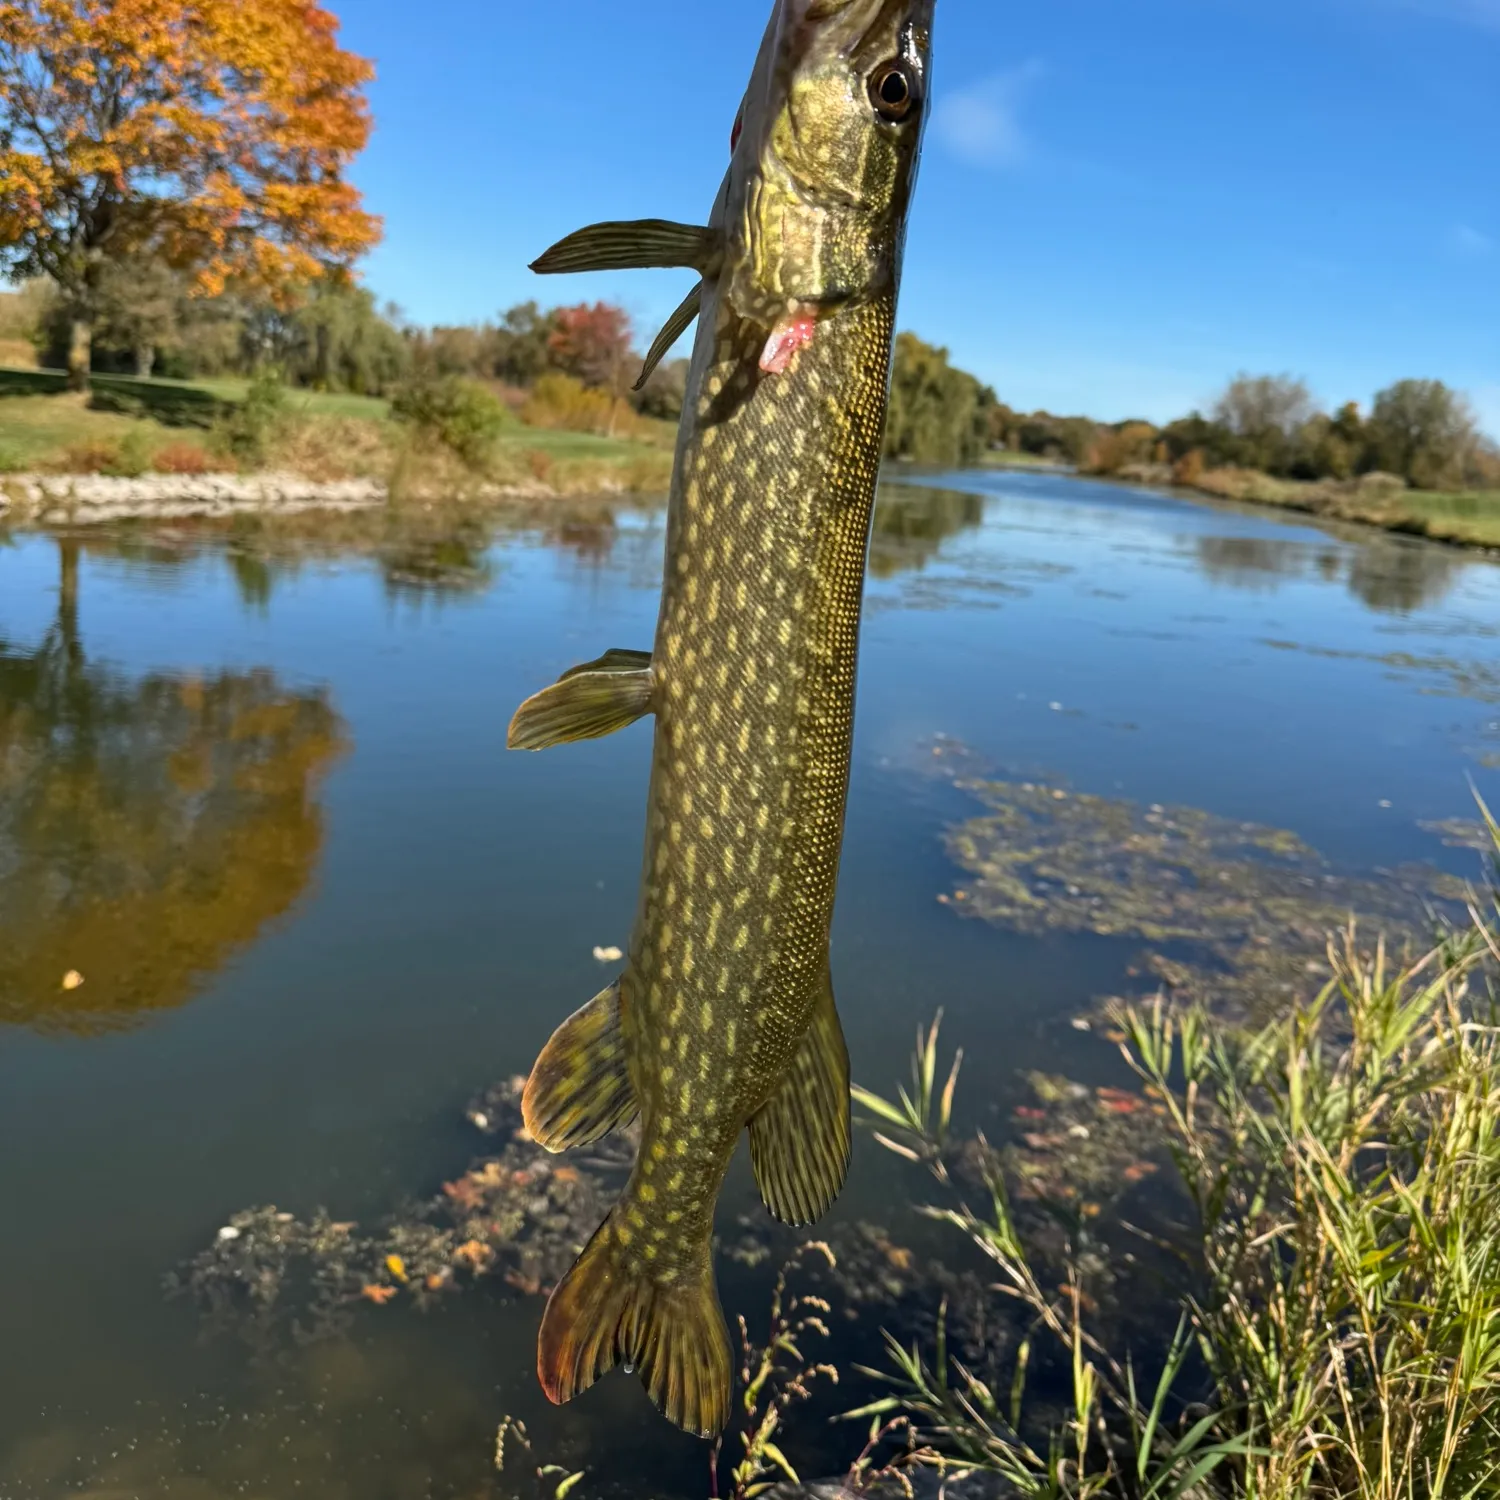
(821, 178)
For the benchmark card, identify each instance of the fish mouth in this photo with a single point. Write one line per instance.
(821, 174)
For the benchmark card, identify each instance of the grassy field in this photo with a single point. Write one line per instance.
(39, 431)
(1466, 519)
(130, 425)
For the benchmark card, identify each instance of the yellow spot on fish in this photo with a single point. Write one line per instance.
(659, 1150)
(647, 1194)
(784, 632)
(742, 937)
(674, 1216)
(744, 740)
(685, 1097)
(637, 1218)
(675, 1182)
(731, 1035)
(706, 1016)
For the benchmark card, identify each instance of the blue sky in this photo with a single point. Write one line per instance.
(1122, 201)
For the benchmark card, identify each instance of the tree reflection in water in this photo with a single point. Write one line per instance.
(150, 827)
(913, 521)
(1390, 574)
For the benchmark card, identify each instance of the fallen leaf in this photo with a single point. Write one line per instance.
(72, 979)
(1138, 1170)
(567, 1174)
(379, 1295)
(473, 1253)
(396, 1266)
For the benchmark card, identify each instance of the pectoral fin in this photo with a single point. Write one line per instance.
(799, 1141)
(674, 328)
(585, 703)
(580, 1088)
(631, 245)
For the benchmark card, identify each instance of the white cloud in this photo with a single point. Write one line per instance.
(981, 123)
(1469, 243)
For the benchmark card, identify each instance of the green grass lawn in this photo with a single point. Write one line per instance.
(315, 403)
(43, 425)
(559, 444)
(1471, 517)
(36, 430)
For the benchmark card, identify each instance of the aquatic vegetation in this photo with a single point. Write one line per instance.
(516, 1215)
(1341, 1260)
(1236, 915)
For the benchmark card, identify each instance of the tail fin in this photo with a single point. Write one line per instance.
(610, 1309)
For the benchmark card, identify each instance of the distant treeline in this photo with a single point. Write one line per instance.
(1418, 430)
(574, 366)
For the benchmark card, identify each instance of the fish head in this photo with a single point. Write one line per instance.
(825, 158)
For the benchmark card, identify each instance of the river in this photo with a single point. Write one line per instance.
(276, 905)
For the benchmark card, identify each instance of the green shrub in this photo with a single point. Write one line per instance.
(133, 454)
(249, 429)
(460, 414)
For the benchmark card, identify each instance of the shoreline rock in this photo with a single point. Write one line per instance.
(97, 499)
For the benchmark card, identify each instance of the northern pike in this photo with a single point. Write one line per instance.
(723, 1017)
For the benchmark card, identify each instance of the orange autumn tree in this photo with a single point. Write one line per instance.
(212, 134)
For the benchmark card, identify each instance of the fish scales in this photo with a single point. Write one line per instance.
(723, 1017)
(756, 654)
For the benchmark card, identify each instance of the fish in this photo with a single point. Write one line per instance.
(723, 1018)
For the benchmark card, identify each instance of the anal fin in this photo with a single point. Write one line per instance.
(631, 245)
(586, 702)
(799, 1140)
(579, 1089)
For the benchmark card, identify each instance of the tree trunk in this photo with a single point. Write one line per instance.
(67, 600)
(80, 353)
(322, 358)
(145, 358)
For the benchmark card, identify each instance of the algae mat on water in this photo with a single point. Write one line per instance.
(1233, 915)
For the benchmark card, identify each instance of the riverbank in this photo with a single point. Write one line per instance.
(48, 500)
(1470, 519)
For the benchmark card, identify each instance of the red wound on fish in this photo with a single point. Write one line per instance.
(734, 134)
(792, 333)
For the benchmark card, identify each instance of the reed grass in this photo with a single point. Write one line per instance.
(1338, 1320)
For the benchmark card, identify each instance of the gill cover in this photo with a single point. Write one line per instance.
(823, 170)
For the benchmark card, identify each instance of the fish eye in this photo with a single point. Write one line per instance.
(893, 90)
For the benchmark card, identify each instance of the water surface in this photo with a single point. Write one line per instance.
(263, 810)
